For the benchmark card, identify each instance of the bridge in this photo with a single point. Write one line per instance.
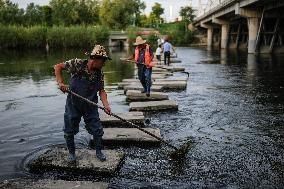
(255, 25)
(118, 39)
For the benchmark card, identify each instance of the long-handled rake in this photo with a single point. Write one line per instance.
(177, 153)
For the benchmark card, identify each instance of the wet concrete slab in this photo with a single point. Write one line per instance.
(183, 79)
(121, 85)
(110, 121)
(158, 70)
(171, 68)
(130, 136)
(174, 60)
(136, 95)
(174, 85)
(154, 88)
(55, 159)
(159, 76)
(162, 73)
(51, 184)
(153, 105)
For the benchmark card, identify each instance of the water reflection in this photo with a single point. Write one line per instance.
(38, 64)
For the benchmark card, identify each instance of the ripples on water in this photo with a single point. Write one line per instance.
(232, 110)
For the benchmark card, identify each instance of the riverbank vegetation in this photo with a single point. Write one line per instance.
(176, 31)
(52, 37)
(64, 23)
(78, 23)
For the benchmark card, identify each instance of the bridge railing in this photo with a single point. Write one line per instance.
(214, 7)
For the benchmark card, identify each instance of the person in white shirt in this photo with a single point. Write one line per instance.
(158, 53)
(167, 47)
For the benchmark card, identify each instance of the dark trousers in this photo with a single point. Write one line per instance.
(144, 75)
(158, 57)
(167, 56)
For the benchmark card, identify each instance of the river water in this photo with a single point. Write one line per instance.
(232, 111)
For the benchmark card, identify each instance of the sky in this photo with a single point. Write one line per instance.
(171, 7)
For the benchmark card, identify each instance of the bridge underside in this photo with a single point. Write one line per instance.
(255, 25)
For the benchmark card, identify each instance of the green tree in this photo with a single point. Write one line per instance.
(33, 15)
(157, 11)
(2, 3)
(88, 11)
(70, 12)
(46, 15)
(187, 14)
(118, 14)
(63, 12)
(10, 13)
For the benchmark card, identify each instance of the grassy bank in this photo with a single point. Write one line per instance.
(56, 37)
(178, 35)
(175, 31)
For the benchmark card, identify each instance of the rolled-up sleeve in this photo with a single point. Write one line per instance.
(72, 66)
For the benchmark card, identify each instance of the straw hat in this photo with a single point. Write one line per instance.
(139, 41)
(99, 52)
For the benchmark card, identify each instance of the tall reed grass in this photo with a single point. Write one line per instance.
(55, 37)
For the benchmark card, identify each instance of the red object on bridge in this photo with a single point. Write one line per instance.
(148, 32)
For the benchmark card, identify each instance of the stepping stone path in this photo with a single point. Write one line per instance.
(56, 159)
(130, 136)
(153, 105)
(138, 87)
(171, 68)
(116, 133)
(173, 60)
(175, 85)
(175, 79)
(136, 95)
(51, 184)
(110, 121)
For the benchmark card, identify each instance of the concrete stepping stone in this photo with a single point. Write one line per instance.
(154, 88)
(153, 105)
(136, 95)
(162, 73)
(174, 60)
(171, 68)
(174, 85)
(159, 76)
(55, 158)
(51, 184)
(110, 121)
(158, 70)
(184, 79)
(130, 136)
(121, 85)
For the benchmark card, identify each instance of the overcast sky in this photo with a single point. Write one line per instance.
(171, 7)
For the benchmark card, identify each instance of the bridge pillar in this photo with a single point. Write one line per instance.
(209, 34)
(253, 18)
(210, 37)
(224, 36)
(253, 26)
(224, 31)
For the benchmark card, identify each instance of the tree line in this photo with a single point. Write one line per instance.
(116, 14)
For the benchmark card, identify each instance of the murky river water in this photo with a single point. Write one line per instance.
(232, 110)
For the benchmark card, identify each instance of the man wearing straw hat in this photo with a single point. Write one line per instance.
(87, 79)
(144, 60)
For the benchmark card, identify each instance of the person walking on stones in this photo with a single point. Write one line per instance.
(87, 79)
(167, 47)
(158, 53)
(144, 60)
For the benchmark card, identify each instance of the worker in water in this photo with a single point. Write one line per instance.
(143, 58)
(87, 79)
